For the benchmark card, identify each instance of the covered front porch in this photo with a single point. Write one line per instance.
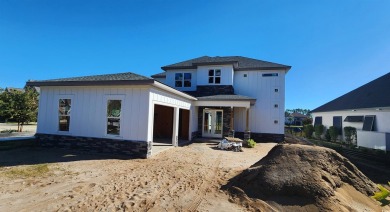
(216, 114)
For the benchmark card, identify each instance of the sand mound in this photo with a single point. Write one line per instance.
(300, 177)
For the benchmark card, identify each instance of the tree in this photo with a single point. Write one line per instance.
(306, 112)
(20, 106)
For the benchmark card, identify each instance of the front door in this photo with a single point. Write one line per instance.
(212, 123)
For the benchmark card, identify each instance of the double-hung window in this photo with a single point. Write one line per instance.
(214, 76)
(64, 108)
(183, 80)
(114, 108)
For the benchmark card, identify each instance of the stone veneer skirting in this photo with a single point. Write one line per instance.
(262, 137)
(123, 148)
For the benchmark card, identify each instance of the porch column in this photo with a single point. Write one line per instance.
(247, 133)
(175, 134)
(231, 131)
(247, 119)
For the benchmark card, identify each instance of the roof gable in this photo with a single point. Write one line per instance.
(238, 62)
(371, 95)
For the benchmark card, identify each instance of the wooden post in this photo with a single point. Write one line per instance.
(231, 119)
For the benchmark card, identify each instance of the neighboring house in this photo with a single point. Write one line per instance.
(366, 108)
(296, 119)
(126, 113)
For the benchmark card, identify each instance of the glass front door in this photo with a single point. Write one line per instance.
(212, 123)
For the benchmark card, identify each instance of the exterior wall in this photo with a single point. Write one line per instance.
(263, 114)
(374, 140)
(88, 111)
(226, 74)
(170, 79)
(381, 124)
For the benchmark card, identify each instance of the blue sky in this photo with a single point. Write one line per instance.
(333, 46)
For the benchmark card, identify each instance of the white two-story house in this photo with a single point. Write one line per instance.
(127, 113)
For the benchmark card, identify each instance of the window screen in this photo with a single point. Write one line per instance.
(368, 124)
(318, 120)
(337, 122)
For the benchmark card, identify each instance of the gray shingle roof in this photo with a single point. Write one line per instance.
(240, 63)
(159, 75)
(371, 95)
(232, 97)
(105, 79)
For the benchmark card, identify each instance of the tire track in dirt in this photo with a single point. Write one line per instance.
(201, 192)
(168, 188)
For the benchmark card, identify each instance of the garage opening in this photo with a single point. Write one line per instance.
(163, 125)
(184, 124)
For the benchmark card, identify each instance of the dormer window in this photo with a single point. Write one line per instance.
(183, 80)
(215, 76)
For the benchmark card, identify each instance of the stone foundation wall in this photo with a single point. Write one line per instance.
(126, 148)
(263, 137)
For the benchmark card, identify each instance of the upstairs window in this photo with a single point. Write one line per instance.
(114, 117)
(64, 109)
(183, 80)
(215, 76)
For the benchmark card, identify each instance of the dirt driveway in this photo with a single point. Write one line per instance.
(179, 179)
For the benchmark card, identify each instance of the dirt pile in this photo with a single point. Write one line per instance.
(300, 177)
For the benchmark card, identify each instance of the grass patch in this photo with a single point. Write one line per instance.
(27, 171)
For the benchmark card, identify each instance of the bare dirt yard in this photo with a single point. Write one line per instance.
(185, 178)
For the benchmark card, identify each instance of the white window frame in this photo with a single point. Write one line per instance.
(183, 80)
(106, 99)
(71, 97)
(214, 76)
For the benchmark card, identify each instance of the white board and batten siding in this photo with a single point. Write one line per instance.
(267, 115)
(161, 97)
(89, 111)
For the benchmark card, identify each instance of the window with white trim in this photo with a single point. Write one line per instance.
(214, 76)
(64, 108)
(183, 79)
(114, 108)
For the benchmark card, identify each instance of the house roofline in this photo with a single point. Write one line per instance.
(287, 68)
(89, 83)
(172, 90)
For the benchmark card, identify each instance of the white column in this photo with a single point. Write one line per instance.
(175, 135)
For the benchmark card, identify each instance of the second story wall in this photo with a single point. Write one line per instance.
(215, 75)
(182, 80)
(268, 88)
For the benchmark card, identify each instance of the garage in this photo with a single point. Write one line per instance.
(163, 126)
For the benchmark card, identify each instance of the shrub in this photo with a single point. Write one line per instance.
(334, 133)
(308, 130)
(251, 143)
(327, 136)
(350, 133)
(318, 130)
